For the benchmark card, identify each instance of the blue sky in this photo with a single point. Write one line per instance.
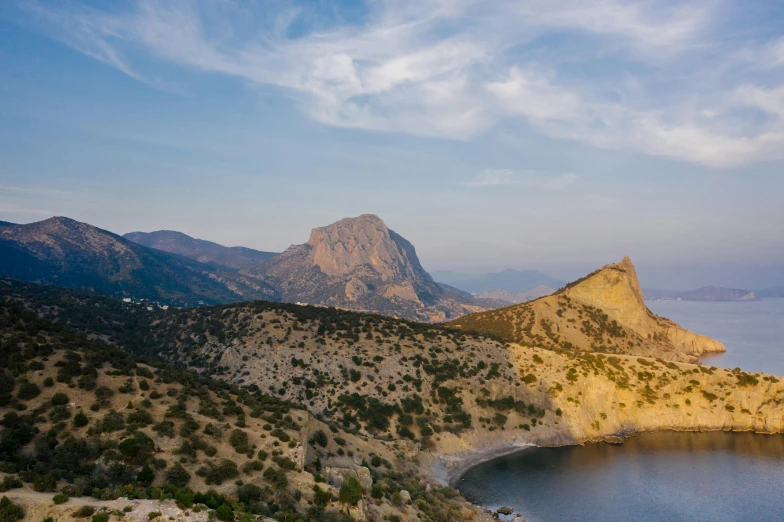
(558, 135)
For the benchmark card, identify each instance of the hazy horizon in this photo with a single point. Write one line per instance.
(554, 136)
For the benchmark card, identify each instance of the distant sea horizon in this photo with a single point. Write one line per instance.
(752, 331)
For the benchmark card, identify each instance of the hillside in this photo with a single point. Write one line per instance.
(461, 397)
(65, 252)
(359, 264)
(200, 250)
(89, 429)
(443, 399)
(602, 312)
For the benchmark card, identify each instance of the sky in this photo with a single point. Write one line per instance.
(557, 135)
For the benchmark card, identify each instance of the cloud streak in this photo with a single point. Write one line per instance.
(652, 76)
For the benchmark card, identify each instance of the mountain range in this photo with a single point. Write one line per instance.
(200, 250)
(706, 293)
(61, 251)
(517, 297)
(356, 263)
(508, 280)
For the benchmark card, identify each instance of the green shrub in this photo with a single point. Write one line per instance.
(45, 482)
(276, 477)
(224, 513)
(28, 390)
(137, 450)
(239, 441)
(320, 438)
(217, 474)
(101, 517)
(60, 498)
(80, 420)
(351, 491)
(59, 399)
(9, 512)
(248, 493)
(146, 475)
(84, 512)
(178, 476)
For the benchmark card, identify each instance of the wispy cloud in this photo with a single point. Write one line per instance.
(655, 76)
(527, 178)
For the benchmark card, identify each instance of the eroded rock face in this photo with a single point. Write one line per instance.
(336, 476)
(359, 264)
(364, 242)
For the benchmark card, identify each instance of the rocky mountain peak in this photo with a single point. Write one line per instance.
(360, 264)
(363, 243)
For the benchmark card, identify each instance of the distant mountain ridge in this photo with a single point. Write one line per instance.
(706, 293)
(771, 292)
(360, 264)
(64, 252)
(199, 249)
(517, 297)
(509, 280)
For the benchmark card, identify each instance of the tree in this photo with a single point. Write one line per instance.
(138, 449)
(146, 475)
(351, 491)
(224, 513)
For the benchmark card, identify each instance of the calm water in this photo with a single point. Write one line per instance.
(653, 476)
(753, 332)
(659, 476)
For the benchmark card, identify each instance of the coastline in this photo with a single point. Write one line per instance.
(448, 469)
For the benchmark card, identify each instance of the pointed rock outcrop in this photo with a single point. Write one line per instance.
(603, 312)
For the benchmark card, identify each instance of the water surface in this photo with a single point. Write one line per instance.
(652, 477)
(660, 476)
(753, 332)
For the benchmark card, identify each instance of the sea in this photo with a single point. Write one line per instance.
(659, 476)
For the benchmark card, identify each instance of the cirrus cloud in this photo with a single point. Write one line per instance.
(657, 77)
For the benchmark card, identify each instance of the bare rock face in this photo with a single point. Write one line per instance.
(336, 476)
(363, 243)
(604, 312)
(360, 264)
